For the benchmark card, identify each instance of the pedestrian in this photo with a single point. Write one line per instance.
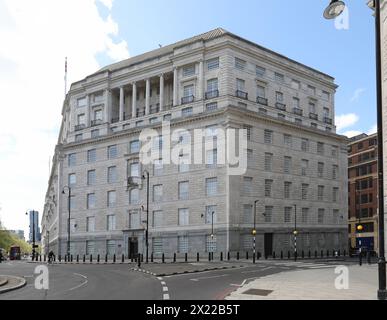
(50, 256)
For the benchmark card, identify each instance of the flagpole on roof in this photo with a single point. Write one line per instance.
(65, 78)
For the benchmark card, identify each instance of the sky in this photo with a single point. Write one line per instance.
(36, 36)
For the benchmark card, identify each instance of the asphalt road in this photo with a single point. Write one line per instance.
(118, 282)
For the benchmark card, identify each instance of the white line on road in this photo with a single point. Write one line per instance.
(165, 296)
(259, 270)
(213, 277)
(163, 283)
(160, 278)
(165, 289)
(82, 284)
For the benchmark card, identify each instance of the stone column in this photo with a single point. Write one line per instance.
(175, 88)
(108, 102)
(134, 100)
(161, 92)
(147, 96)
(121, 114)
(201, 91)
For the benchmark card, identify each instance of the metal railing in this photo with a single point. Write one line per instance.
(212, 94)
(313, 116)
(297, 111)
(96, 122)
(262, 101)
(328, 120)
(241, 94)
(187, 99)
(114, 120)
(79, 127)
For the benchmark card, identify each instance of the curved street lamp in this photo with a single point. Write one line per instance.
(67, 189)
(334, 9)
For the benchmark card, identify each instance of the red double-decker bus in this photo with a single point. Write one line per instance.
(14, 253)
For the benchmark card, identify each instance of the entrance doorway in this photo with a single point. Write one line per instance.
(133, 247)
(268, 244)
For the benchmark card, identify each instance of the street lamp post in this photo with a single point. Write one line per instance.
(145, 175)
(48, 242)
(295, 232)
(334, 9)
(33, 233)
(254, 229)
(69, 216)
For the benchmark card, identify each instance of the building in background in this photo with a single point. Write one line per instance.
(363, 192)
(296, 163)
(18, 233)
(34, 225)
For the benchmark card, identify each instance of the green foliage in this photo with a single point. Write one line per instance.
(7, 240)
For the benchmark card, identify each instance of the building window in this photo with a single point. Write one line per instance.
(279, 97)
(134, 219)
(91, 177)
(157, 246)
(211, 243)
(182, 244)
(287, 140)
(335, 151)
(311, 90)
(304, 167)
(335, 170)
(158, 167)
(78, 137)
(287, 187)
(189, 71)
(112, 152)
(268, 214)
(248, 132)
(296, 84)
(158, 219)
(112, 174)
(94, 133)
(268, 162)
(90, 224)
(212, 64)
(320, 193)
(92, 155)
(261, 92)
(134, 169)
(304, 215)
(212, 158)
(287, 214)
(320, 217)
(211, 212)
(247, 213)
(134, 196)
(183, 217)
(211, 106)
(72, 160)
(82, 102)
(240, 83)
(111, 199)
(268, 136)
(268, 188)
(312, 108)
(72, 179)
(304, 191)
(335, 194)
(134, 146)
(158, 193)
(90, 247)
(247, 185)
(183, 190)
(320, 148)
(212, 85)
(279, 77)
(287, 165)
(326, 95)
(186, 112)
(91, 201)
(111, 222)
(320, 170)
(111, 247)
(211, 186)
(260, 71)
(184, 162)
(305, 145)
(240, 64)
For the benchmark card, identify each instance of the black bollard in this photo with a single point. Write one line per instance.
(114, 258)
(186, 257)
(273, 254)
(212, 256)
(238, 255)
(322, 254)
(315, 254)
(131, 258)
(66, 258)
(139, 260)
(247, 255)
(77, 258)
(174, 257)
(368, 257)
(221, 256)
(106, 258)
(345, 253)
(288, 255)
(84, 258)
(91, 258)
(209, 256)
(40, 258)
(44, 258)
(228, 256)
(98, 258)
(302, 254)
(282, 255)
(142, 258)
(360, 258)
(71, 258)
(123, 258)
(152, 257)
(60, 258)
(309, 254)
(163, 258)
(339, 253)
(327, 253)
(197, 257)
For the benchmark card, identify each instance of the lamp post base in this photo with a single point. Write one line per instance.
(382, 292)
(382, 295)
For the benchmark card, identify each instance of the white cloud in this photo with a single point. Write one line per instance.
(373, 129)
(351, 133)
(356, 95)
(36, 36)
(346, 120)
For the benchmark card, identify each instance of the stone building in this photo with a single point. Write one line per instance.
(296, 163)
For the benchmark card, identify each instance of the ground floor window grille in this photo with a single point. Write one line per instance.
(90, 245)
(111, 247)
(211, 243)
(182, 242)
(247, 242)
(157, 245)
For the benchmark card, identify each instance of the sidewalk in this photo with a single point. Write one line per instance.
(168, 269)
(316, 284)
(8, 283)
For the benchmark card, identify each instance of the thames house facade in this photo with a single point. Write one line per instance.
(296, 163)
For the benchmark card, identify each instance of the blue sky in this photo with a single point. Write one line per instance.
(294, 28)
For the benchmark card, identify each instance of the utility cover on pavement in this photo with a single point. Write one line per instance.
(258, 292)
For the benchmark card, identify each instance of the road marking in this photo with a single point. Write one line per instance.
(259, 270)
(213, 277)
(165, 296)
(163, 283)
(165, 289)
(82, 284)
(244, 281)
(160, 278)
